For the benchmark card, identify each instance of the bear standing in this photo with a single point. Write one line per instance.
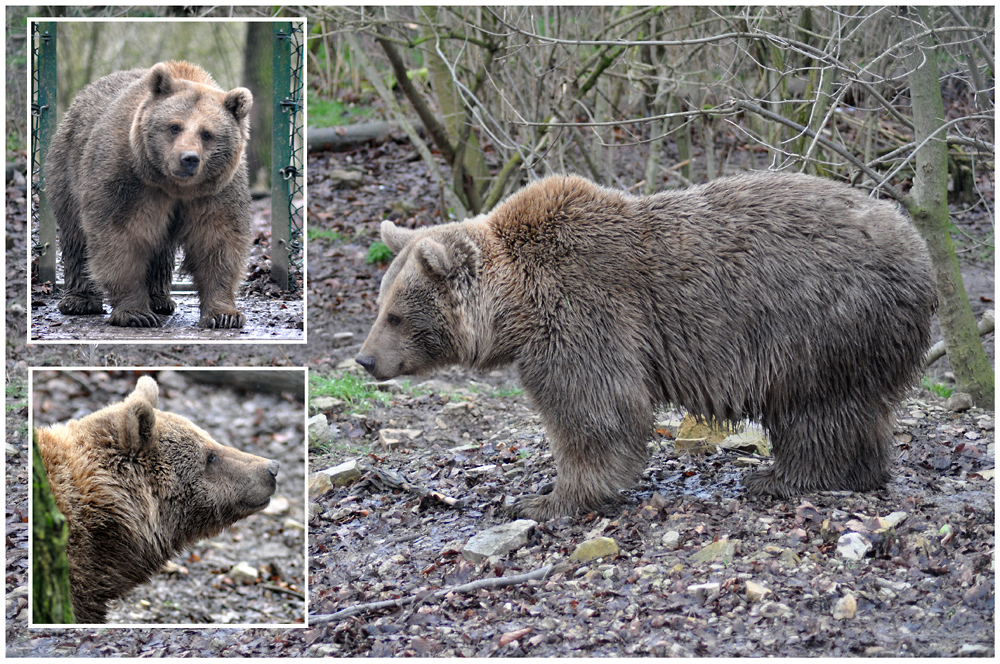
(138, 485)
(783, 298)
(145, 161)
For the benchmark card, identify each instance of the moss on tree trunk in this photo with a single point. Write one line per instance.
(50, 595)
(928, 206)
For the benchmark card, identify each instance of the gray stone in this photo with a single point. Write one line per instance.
(498, 540)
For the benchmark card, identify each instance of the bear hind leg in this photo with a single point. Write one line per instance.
(81, 296)
(849, 447)
(159, 280)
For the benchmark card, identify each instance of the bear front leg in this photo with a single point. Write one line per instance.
(599, 445)
(217, 260)
(120, 263)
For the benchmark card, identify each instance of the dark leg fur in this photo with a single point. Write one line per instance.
(159, 280)
(829, 446)
(81, 297)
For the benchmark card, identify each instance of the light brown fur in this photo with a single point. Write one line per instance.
(137, 485)
(791, 300)
(146, 161)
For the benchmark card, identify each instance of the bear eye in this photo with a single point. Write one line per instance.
(393, 320)
(206, 135)
(175, 129)
(212, 456)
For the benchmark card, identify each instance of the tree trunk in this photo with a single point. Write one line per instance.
(258, 75)
(51, 603)
(928, 206)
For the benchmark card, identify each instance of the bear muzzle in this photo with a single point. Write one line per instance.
(368, 362)
(189, 163)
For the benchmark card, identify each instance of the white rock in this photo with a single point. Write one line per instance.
(671, 539)
(244, 572)
(845, 608)
(704, 588)
(853, 546)
(319, 430)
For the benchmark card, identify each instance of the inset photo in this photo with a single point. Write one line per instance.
(167, 181)
(168, 497)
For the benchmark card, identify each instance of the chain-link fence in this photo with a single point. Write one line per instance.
(43, 124)
(287, 163)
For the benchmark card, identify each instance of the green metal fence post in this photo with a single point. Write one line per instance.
(43, 109)
(281, 154)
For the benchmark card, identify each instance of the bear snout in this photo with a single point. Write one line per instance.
(366, 361)
(272, 468)
(190, 162)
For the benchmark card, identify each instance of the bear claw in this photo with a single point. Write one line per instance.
(133, 318)
(162, 304)
(229, 319)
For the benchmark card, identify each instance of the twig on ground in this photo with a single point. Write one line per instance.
(472, 586)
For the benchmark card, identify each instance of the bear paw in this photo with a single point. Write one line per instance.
(540, 507)
(79, 305)
(766, 483)
(225, 319)
(134, 318)
(162, 304)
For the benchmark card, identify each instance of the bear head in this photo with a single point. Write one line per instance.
(187, 134)
(424, 315)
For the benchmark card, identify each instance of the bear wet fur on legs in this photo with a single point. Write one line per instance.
(791, 300)
(146, 161)
(138, 485)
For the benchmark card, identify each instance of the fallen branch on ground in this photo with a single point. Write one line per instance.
(938, 350)
(472, 586)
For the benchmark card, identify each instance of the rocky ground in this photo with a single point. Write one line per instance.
(692, 566)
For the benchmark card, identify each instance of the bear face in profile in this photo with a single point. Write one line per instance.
(137, 485)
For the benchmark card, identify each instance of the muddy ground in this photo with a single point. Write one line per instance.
(272, 314)
(700, 568)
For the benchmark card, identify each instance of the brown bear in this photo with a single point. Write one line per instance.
(783, 298)
(137, 485)
(145, 161)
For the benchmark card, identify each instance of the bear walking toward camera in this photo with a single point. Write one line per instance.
(787, 299)
(146, 161)
(138, 485)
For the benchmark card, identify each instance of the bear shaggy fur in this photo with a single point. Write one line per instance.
(783, 298)
(143, 162)
(137, 485)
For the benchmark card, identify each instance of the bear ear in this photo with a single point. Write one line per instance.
(394, 237)
(161, 81)
(238, 101)
(140, 414)
(448, 261)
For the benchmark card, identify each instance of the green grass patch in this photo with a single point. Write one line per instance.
(333, 112)
(355, 390)
(378, 253)
(324, 234)
(939, 389)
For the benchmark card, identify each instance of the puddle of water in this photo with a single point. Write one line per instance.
(267, 320)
